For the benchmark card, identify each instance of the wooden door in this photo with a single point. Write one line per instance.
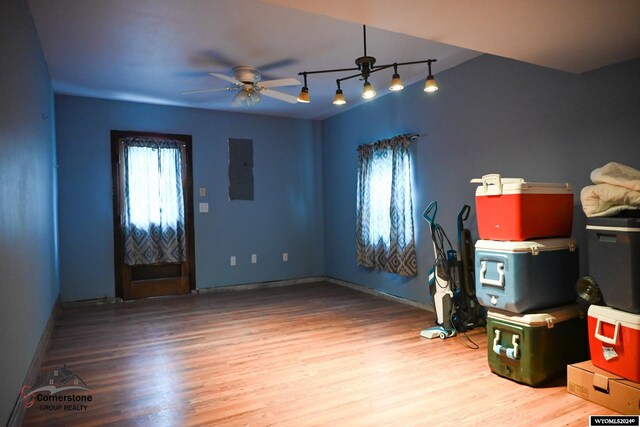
(158, 278)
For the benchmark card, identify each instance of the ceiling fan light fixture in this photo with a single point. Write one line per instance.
(240, 99)
(367, 90)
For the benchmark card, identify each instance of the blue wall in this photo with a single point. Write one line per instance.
(28, 256)
(286, 215)
(491, 115)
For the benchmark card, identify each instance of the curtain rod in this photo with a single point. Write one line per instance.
(411, 136)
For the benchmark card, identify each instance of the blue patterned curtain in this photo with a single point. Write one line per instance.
(154, 227)
(384, 209)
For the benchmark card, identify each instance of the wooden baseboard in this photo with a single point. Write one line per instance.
(260, 285)
(17, 415)
(279, 283)
(416, 304)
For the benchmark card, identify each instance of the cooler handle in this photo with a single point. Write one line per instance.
(607, 340)
(490, 179)
(511, 353)
(492, 282)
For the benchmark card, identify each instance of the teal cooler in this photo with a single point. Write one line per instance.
(533, 348)
(526, 276)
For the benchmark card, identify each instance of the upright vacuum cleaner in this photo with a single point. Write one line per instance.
(468, 313)
(451, 280)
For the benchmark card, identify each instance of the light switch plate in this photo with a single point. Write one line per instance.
(254, 258)
(204, 207)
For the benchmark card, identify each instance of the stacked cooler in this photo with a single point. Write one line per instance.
(526, 267)
(614, 263)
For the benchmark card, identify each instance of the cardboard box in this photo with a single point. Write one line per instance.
(604, 388)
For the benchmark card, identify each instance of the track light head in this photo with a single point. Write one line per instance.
(304, 95)
(367, 90)
(396, 83)
(339, 99)
(430, 85)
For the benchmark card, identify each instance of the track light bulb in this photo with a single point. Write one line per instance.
(430, 85)
(396, 83)
(339, 99)
(367, 90)
(304, 95)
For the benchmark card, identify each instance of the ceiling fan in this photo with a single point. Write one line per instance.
(247, 82)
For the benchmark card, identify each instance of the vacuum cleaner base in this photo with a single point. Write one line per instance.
(437, 332)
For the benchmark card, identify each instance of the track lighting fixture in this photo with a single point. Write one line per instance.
(365, 66)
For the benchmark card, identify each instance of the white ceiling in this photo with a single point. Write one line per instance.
(151, 50)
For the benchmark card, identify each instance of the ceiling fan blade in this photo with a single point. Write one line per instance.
(278, 64)
(206, 90)
(280, 82)
(225, 77)
(279, 95)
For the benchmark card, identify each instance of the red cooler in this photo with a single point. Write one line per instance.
(515, 210)
(614, 341)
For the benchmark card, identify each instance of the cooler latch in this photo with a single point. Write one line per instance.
(550, 323)
(572, 247)
(535, 250)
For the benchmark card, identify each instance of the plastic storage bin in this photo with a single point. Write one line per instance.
(525, 276)
(614, 341)
(614, 260)
(533, 348)
(513, 209)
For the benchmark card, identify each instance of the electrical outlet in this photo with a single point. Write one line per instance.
(203, 191)
(232, 261)
(285, 257)
(254, 258)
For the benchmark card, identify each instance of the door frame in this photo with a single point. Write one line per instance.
(118, 235)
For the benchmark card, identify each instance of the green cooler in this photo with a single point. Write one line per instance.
(535, 347)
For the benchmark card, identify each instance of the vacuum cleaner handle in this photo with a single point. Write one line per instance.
(433, 206)
(462, 217)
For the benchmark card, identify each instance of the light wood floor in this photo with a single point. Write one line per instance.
(316, 354)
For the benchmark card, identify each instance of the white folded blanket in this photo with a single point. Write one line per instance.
(617, 188)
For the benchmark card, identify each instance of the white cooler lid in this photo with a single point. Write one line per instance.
(611, 315)
(548, 317)
(494, 185)
(527, 246)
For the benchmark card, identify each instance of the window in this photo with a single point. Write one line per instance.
(385, 238)
(154, 227)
